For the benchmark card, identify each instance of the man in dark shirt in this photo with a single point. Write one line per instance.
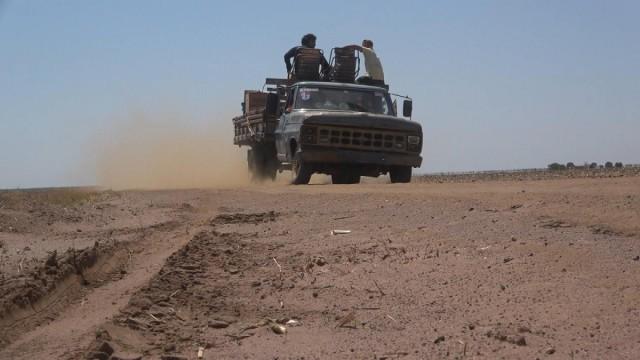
(308, 41)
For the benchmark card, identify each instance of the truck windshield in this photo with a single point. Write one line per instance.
(376, 102)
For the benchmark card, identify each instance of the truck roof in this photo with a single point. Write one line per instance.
(338, 85)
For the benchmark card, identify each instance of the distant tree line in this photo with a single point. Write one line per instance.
(586, 165)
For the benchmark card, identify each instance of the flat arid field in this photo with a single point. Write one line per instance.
(501, 269)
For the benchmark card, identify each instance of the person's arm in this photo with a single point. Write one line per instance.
(287, 57)
(325, 67)
(353, 47)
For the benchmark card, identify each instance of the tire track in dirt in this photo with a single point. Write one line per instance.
(39, 295)
(83, 300)
(197, 292)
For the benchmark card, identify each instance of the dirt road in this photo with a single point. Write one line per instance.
(469, 270)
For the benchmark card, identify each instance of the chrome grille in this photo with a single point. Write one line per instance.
(362, 139)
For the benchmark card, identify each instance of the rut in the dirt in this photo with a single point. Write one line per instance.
(19, 297)
(192, 293)
(239, 218)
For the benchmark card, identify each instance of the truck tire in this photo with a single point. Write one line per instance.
(261, 165)
(345, 178)
(400, 174)
(300, 170)
(251, 164)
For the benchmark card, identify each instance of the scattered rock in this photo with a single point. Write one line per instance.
(510, 338)
(52, 260)
(142, 302)
(137, 324)
(320, 261)
(125, 356)
(102, 334)
(637, 258)
(186, 206)
(218, 324)
(554, 224)
(105, 347)
(524, 329)
(550, 351)
(439, 339)
(97, 355)
(604, 230)
(278, 329)
(173, 357)
(507, 259)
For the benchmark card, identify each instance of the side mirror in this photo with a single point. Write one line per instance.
(284, 109)
(407, 108)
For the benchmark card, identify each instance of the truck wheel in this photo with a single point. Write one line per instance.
(301, 171)
(251, 165)
(271, 174)
(345, 178)
(261, 165)
(400, 174)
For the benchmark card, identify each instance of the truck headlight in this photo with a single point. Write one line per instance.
(308, 135)
(413, 139)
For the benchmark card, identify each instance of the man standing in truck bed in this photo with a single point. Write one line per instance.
(308, 41)
(372, 64)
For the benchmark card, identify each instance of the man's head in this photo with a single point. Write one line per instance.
(367, 43)
(309, 41)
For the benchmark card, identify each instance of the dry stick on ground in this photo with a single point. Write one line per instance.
(382, 293)
(281, 282)
(344, 217)
(464, 350)
(347, 319)
(367, 308)
(279, 268)
(277, 264)
(153, 317)
(20, 265)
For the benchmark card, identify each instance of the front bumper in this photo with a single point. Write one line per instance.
(343, 156)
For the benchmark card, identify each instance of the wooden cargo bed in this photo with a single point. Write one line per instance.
(254, 127)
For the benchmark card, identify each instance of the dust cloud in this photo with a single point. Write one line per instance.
(149, 151)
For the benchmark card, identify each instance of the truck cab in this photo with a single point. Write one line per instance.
(345, 130)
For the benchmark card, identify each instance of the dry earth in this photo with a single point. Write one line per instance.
(476, 269)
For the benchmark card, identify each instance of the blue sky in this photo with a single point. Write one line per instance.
(496, 84)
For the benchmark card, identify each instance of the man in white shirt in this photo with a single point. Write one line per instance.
(374, 73)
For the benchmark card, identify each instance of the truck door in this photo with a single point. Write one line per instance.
(281, 138)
